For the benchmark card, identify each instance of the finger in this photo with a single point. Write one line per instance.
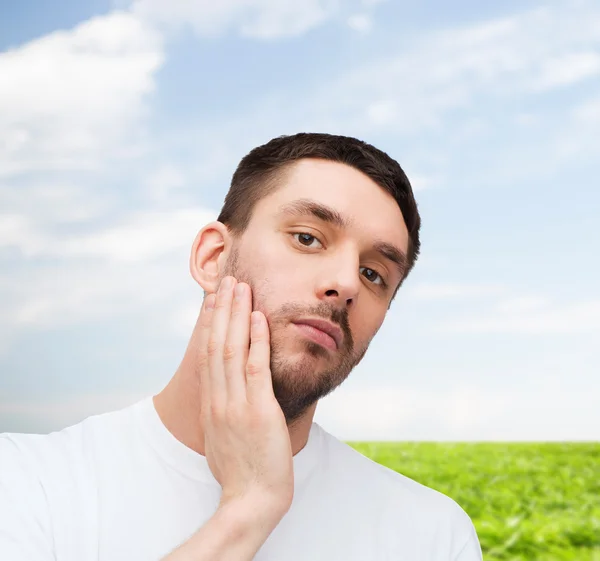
(258, 370)
(235, 354)
(216, 344)
(206, 314)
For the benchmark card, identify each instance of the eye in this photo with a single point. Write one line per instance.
(373, 276)
(306, 239)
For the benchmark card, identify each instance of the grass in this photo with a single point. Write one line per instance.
(528, 501)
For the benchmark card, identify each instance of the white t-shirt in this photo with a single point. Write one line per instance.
(120, 487)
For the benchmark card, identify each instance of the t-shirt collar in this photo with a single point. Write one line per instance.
(194, 465)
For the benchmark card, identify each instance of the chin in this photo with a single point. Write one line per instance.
(310, 354)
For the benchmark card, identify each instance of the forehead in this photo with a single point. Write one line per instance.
(369, 209)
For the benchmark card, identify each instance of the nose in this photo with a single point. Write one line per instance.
(339, 281)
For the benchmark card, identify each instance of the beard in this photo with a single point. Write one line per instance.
(296, 383)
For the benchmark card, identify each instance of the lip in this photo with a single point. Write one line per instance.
(326, 327)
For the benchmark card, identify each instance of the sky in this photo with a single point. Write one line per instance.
(121, 124)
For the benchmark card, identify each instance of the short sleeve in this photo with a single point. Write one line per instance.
(471, 551)
(25, 531)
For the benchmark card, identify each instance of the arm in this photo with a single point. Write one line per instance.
(25, 525)
(471, 550)
(247, 442)
(234, 533)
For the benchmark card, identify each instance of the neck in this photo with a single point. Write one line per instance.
(178, 406)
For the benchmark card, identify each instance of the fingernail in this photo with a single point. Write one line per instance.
(240, 290)
(255, 319)
(210, 302)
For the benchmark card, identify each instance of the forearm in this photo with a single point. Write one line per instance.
(234, 533)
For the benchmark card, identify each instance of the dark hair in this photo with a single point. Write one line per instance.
(258, 173)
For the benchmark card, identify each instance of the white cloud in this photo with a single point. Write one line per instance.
(542, 412)
(71, 97)
(442, 291)
(71, 100)
(47, 415)
(76, 99)
(141, 236)
(138, 264)
(28, 208)
(527, 413)
(567, 69)
(531, 316)
(526, 119)
(164, 183)
(127, 267)
(523, 304)
(361, 23)
(382, 112)
(60, 295)
(524, 55)
(588, 111)
(577, 140)
(420, 182)
(261, 19)
(98, 78)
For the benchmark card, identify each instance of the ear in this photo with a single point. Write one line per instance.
(209, 255)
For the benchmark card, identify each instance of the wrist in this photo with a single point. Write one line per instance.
(255, 510)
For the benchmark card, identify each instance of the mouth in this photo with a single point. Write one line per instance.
(321, 331)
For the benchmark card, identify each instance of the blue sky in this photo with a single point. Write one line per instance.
(121, 123)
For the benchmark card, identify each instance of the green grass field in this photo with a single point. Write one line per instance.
(528, 501)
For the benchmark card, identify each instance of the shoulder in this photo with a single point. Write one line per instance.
(44, 462)
(377, 478)
(60, 463)
(35, 470)
(403, 502)
(47, 481)
(49, 454)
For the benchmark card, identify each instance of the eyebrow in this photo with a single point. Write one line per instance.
(304, 207)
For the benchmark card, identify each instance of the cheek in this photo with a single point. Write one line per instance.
(377, 326)
(277, 271)
(366, 326)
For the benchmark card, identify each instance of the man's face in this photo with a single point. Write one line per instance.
(302, 264)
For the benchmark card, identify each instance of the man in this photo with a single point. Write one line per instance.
(316, 235)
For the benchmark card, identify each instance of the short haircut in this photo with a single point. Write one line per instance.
(260, 171)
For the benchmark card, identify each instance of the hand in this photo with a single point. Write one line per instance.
(247, 442)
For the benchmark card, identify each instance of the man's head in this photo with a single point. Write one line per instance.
(321, 227)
